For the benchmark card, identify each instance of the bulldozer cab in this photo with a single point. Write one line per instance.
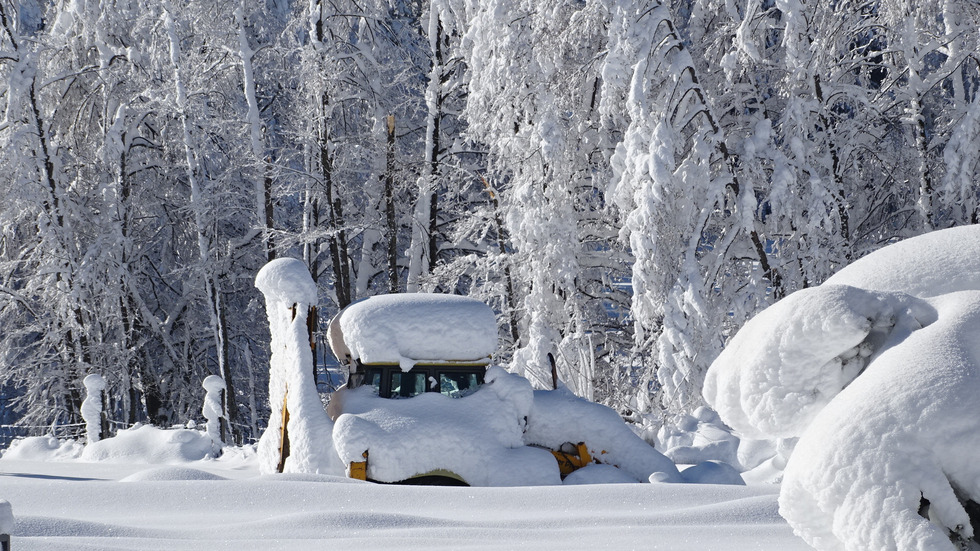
(406, 344)
(452, 381)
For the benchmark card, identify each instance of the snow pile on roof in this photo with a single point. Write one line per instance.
(286, 282)
(558, 416)
(883, 437)
(148, 444)
(477, 437)
(6, 517)
(407, 329)
(43, 448)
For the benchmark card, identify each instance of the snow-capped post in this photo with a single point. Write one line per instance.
(93, 412)
(217, 425)
(298, 437)
(6, 524)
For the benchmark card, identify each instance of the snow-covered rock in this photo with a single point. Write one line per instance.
(407, 329)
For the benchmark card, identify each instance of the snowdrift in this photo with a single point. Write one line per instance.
(877, 371)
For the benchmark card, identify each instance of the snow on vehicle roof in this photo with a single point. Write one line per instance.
(407, 329)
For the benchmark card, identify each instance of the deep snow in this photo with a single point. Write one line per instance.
(225, 504)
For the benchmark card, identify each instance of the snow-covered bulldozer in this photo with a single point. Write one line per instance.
(423, 402)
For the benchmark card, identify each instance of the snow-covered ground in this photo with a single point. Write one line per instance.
(226, 504)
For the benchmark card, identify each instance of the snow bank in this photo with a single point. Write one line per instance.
(407, 329)
(881, 386)
(558, 416)
(289, 292)
(148, 444)
(712, 472)
(477, 437)
(43, 448)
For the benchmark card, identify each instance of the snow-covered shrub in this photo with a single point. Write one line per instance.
(148, 444)
(877, 371)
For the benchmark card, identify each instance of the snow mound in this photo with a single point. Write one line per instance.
(287, 280)
(477, 437)
(6, 517)
(148, 444)
(699, 437)
(558, 416)
(907, 429)
(598, 473)
(789, 361)
(928, 265)
(407, 329)
(880, 386)
(43, 448)
(712, 472)
(171, 474)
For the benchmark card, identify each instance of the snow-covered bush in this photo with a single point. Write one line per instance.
(878, 372)
(148, 444)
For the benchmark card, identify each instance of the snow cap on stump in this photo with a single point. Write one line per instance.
(286, 280)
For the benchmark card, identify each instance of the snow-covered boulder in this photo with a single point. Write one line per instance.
(877, 371)
(407, 329)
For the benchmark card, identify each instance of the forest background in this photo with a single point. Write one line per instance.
(625, 182)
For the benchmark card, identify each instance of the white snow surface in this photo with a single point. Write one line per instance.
(877, 371)
(148, 444)
(411, 328)
(75, 505)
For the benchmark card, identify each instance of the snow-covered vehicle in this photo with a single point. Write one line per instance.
(467, 422)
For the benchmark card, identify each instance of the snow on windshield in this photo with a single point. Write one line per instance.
(877, 371)
(407, 329)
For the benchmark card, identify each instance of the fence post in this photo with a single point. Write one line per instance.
(96, 424)
(217, 425)
(6, 524)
